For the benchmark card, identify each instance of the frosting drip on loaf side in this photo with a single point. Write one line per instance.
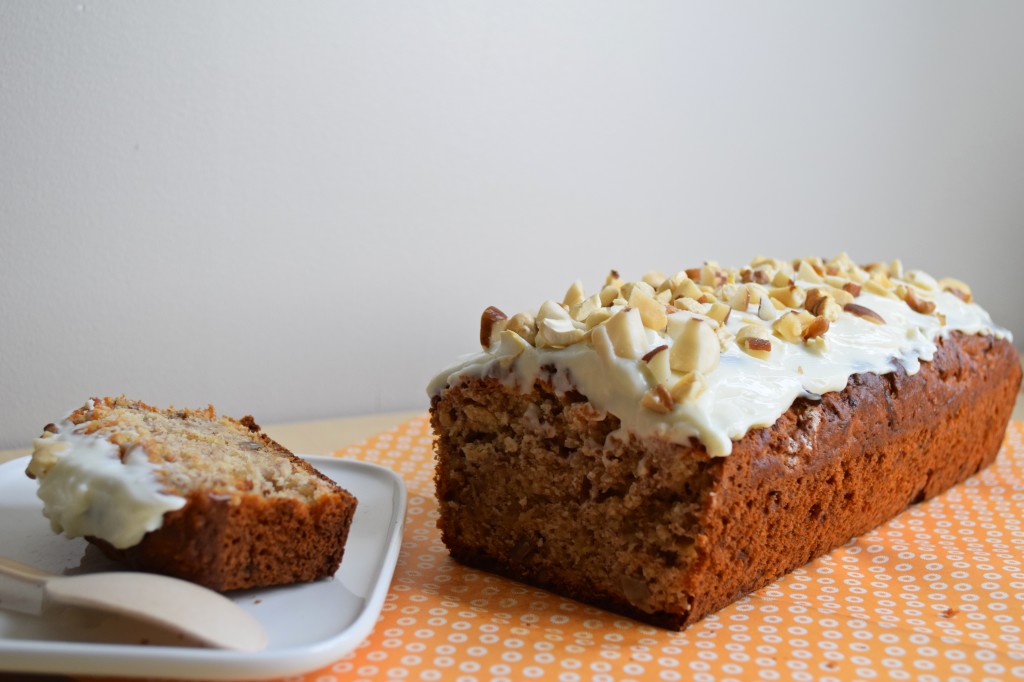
(712, 353)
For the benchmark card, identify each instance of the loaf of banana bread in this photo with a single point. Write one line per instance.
(190, 494)
(663, 447)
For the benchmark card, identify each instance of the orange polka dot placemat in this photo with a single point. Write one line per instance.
(936, 594)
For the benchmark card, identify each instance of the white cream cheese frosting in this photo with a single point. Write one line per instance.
(712, 353)
(87, 489)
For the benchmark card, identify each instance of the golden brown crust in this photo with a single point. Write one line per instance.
(532, 487)
(254, 543)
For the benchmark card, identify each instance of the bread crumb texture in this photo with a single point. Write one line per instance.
(256, 515)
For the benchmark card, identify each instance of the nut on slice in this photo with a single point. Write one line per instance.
(696, 348)
(652, 312)
(864, 313)
(658, 399)
(657, 364)
(790, 326)
(957, 288)
(689, 386)
(626, 332)
(755, 340)
(492, 321)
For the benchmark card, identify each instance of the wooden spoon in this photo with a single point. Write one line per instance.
(171, 603)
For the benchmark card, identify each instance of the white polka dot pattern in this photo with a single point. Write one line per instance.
(936, 594)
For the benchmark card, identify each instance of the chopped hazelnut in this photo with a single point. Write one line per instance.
(510, 345)
(599, 316)
(957, 288)
(696, 348)
(807, 273)
(524, 325)
(737, 296)
(652, 312)
(765, 310)
(687, 288)
(689, 386)
(755, 340)
(792, 296)
(608, 294)
(654, 279)
(574, 295)
(719, 312)
(921, 280)
(853, 288)
(658, 399)
(816, 329)
(489, 321)
(918, 303)
(865, 313)
(626, 332)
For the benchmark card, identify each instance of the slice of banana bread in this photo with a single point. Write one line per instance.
(190, 494)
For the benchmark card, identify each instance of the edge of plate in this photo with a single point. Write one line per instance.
(35, 656)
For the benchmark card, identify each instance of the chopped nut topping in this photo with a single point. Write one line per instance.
(598, 317)
(917, 303)
(807, 273)
(687, 288)
(957, 288)
(822, 304)
(691, 305)
(658, 399)
(737, 296)
(765, 310)
(656, 364)
(691, 385)
(626, 332)
(791, 296)
(782, 279)
(816, 329)
(556, 328)
(582, 309)
(879, 286)
(574, 295)
(719, 312)
(652, 312)
(865, 313)
(701, 311)
(608, 294)
(524, 325)
(696, 348)
(755, 340)
(789, 327)
(559, 333)
(510, 345)
(488, 321)
(654, 351)
(654, 279)
(922, 280)
(853, 288)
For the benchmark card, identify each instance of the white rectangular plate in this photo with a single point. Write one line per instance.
(308, 625)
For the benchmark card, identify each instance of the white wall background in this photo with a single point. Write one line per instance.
(298, 210)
